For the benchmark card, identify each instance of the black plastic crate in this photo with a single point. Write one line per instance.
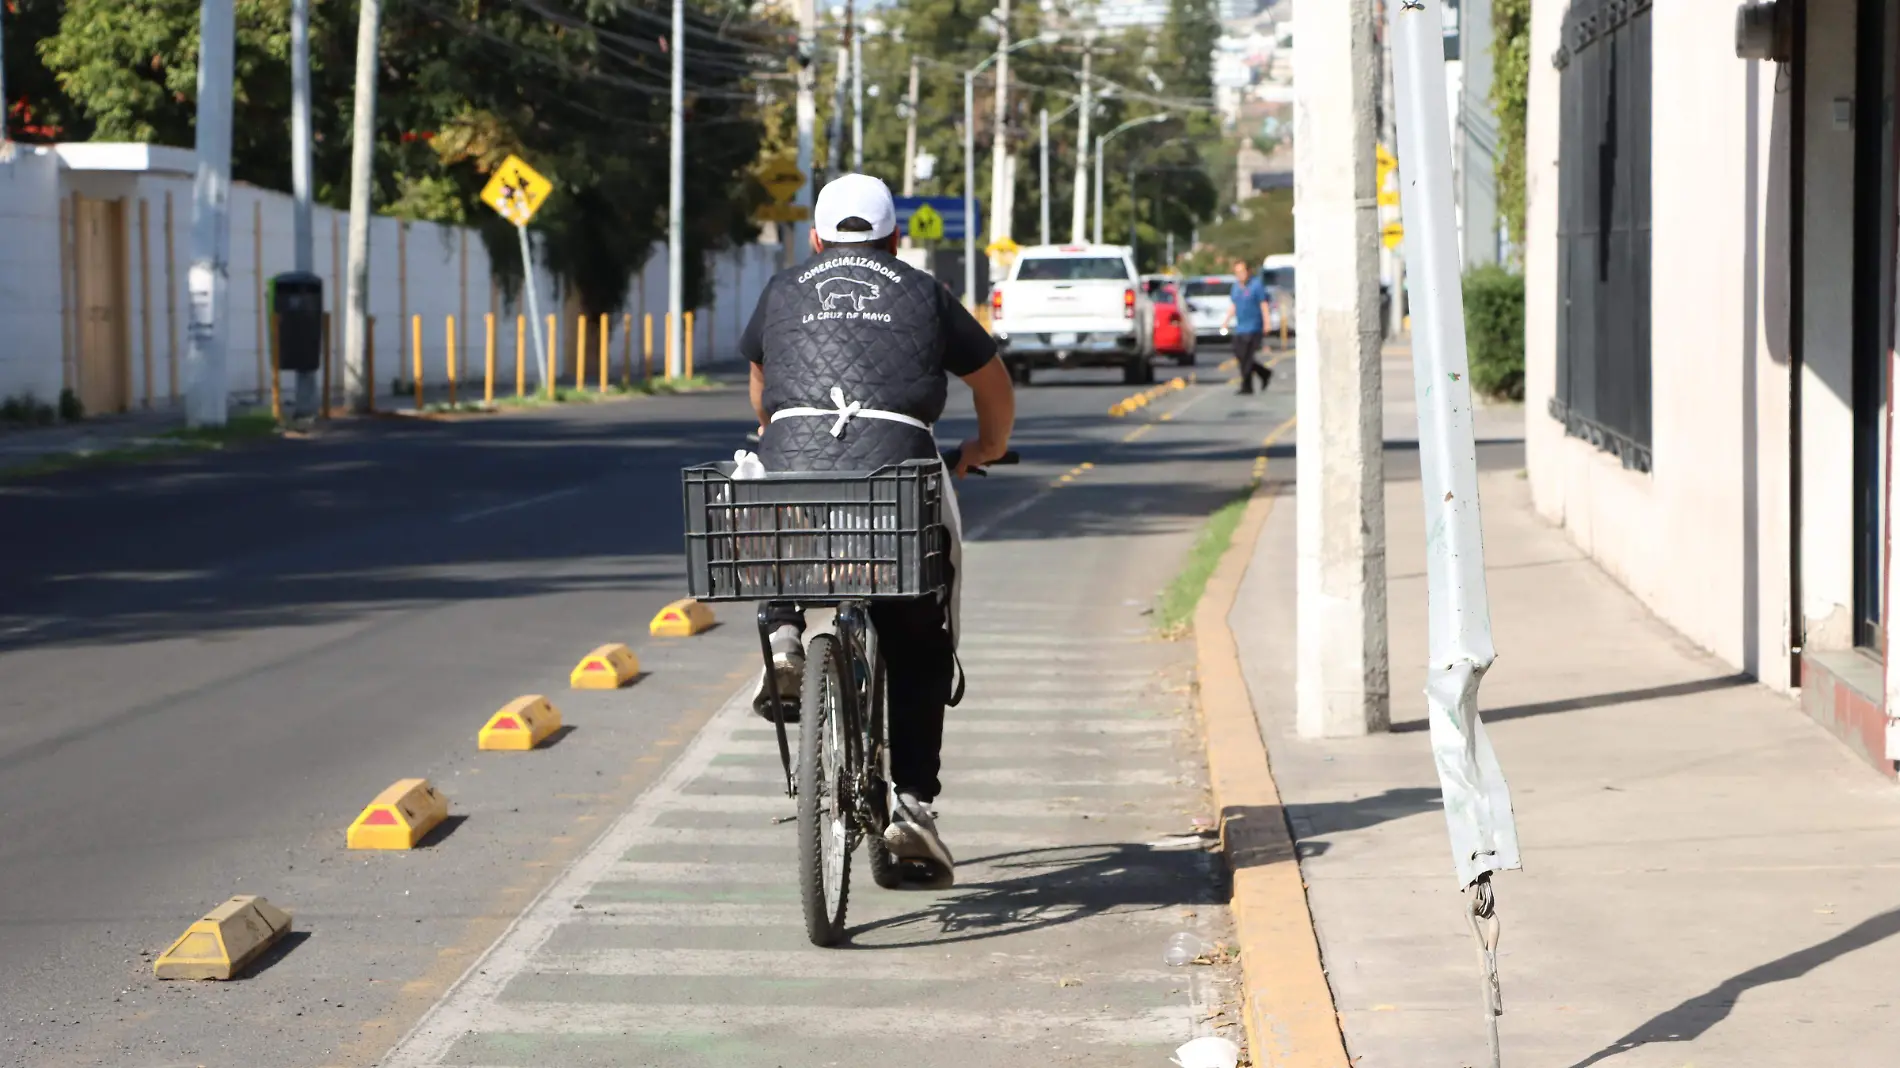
(815, 537)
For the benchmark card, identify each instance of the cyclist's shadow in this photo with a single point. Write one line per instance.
(1032, 889)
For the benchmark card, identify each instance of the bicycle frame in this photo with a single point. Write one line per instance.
(863, 710)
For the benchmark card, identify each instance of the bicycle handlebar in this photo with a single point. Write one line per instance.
(954, 456)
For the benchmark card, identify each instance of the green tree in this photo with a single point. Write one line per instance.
(1510, 99)
(37, 109)
(1258, 228)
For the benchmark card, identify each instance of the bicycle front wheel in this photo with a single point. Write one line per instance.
(824, 793)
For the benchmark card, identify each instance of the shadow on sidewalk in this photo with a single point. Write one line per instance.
(1601, 700)
(1056, 886)
(1694, 1017)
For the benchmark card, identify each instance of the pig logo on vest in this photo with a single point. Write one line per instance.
(839, 288)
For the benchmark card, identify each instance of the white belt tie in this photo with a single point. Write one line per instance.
(845, 411)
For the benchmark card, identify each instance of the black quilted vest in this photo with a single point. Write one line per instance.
(868, 323)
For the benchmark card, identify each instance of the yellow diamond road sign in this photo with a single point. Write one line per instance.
(926, 224)
(516, 191)
(782, 178)
(1392, 233)
(1003, 248)
(782, 213)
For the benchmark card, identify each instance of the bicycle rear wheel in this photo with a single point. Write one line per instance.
(824, 793)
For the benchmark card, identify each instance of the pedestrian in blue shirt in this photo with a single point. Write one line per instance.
(1248, 317)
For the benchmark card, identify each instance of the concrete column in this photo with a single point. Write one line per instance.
(1342, 672)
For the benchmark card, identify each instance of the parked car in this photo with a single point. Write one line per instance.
(1208, 299)
(1173, 333)
(1074, 306)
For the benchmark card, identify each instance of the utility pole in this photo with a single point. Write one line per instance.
(834, 130)
(1078, 216)
(206, 390)
(357, 387)
(910, 133)
(1343, 684)
(676, 202)
(857, 94)
(1001, 208)
(1045, 176)
(807, 119)
(303, 255)
(1393, 259)
(6, 145)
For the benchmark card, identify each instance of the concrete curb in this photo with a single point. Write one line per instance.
(1286, 1002)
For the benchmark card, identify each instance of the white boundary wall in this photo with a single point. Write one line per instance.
(35, 315)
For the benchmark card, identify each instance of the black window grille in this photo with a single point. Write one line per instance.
(1603, 327)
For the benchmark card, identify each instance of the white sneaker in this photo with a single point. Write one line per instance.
(788, 670)
(912, 835)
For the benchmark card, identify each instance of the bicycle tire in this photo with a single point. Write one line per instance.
(886, 872)
(824, 875)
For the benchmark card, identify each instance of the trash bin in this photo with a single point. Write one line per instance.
(296, 299)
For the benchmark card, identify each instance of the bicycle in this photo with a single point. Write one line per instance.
(845, 542)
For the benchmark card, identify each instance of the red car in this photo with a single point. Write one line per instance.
(1174, 334)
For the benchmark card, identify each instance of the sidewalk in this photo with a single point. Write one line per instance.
(1710, 879)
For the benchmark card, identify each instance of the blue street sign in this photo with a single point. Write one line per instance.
(948, 210)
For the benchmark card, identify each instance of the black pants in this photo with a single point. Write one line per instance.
(919, 660)
(1246, 348)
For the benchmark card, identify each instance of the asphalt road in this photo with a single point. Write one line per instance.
(210, 665)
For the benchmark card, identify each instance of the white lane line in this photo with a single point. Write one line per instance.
(525, 502)
(766, 1022)
(954, 726)
(680, 917)
(471, 1000)
(822, 964)
(967, 842)
(1039, 776)
(959, 760)
(959, 809)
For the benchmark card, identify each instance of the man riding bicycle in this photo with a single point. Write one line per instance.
(851, 354)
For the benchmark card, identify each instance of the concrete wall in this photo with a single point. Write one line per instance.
(1702, 538)
(29, 226)
(415, 269)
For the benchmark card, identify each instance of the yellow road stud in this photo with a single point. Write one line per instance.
(607, 668)
(525, 723)
(225, 941)
(399, 817)
(681, 619)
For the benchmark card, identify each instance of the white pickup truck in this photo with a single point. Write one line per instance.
(1074, 306)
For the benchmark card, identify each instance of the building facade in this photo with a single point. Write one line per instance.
(1710, 328)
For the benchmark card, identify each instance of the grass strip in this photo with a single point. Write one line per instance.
(1175, 612)
(250, 426)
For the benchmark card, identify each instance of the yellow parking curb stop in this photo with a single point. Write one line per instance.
(225, 941)
(607, 668)
(681, 619)
(399, 817)
(525, 723)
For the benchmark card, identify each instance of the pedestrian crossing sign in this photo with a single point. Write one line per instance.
(516, 191)
(926, 224)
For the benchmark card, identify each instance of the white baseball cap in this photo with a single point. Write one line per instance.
(854, 196)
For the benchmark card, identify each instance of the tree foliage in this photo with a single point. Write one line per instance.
(1510, 99)
(577, 87)
(1260, 227)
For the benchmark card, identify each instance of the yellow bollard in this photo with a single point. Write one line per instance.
(686, 367)
(323, 410)
(488, 379)
(521, 356)
(449, 353)
(626, 351)
(668, 356)
(606, 335)
(415, 335)
(646, 343)
(369, 365)
(554, 346)
(580, 353)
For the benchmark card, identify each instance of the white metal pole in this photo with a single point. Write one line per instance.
(1101, 145)
(841, 80)
(303, 255)
(807, 108)
(357, 387)
(857, 100)
(910, 135)
(1483, 831)
(1079, 210)
(1045, 176)
(1000, 206)
(1342, 686)
(676, 201)
(534, 307)
(206, 388)
(969, 189)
